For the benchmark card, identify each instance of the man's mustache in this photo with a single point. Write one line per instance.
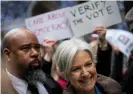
(35, 61)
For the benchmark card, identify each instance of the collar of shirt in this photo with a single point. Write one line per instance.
(97, 90)
(19, 84)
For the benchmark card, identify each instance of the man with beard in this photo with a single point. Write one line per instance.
(23, 66)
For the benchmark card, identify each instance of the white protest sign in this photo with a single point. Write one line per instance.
(110, 36)
(50, 25)
(84, 17)
(121, 39)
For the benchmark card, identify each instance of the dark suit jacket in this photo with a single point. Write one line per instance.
(51, 85)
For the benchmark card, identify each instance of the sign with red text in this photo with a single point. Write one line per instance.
(84, 17)
(121, 39)
(53, 25)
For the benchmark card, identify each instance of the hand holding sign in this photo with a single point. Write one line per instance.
(101, 32)
(49, 46)
(49, 42)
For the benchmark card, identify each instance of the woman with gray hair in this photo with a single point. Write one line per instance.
(76, 60)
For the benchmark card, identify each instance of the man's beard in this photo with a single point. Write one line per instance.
(33, 75)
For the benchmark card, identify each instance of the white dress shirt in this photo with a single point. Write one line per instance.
(21, 85)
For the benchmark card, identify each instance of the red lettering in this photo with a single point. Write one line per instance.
(64, 25)
(58, 26)
(50, 28)
(36, 32)
(38, 21)
(56, 15)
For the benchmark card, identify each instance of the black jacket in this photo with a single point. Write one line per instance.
(46, 66)
(104, 61)
(127, 84)
(52, 86)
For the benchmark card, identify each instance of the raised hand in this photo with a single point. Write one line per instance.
(49, 45)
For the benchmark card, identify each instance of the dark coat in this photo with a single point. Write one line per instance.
(104, 61)
(127, 83)
(105, 84)
(46, 66)
(52, 86)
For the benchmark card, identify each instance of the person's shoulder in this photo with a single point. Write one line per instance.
(6, 84)
(110, 85)
(68, 89)
(105, 79)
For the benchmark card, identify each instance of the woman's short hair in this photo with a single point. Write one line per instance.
(65, 53)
